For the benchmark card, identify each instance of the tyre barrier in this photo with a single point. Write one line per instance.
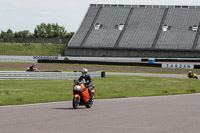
(45, 75)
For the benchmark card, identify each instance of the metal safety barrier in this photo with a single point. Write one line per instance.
(27, 59)
(45, 75)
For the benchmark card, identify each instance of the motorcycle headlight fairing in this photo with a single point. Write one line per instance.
(77, 87)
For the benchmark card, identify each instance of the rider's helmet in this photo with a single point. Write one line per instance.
(84, 71)
(190, 71)
(32, 66)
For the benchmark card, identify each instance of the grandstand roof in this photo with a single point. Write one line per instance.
(145, 6)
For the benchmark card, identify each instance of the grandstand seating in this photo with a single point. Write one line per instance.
(108, 34)
(198, 45)
(142, 28)
(179, 36)
(86, 24)
(198, 42)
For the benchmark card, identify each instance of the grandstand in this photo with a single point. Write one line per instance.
(138, 31)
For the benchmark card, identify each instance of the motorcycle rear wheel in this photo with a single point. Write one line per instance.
(75, 102)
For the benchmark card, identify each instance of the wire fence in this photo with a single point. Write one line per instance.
(35, 40)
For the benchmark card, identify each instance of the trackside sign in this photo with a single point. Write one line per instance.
(184, 66)
(46, 57)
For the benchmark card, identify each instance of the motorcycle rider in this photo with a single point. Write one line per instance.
(190, 73)
(88, 80)
(32, 67)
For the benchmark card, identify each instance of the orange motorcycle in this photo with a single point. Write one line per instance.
(81, 95)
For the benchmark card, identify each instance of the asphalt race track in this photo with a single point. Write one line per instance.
(159, 114)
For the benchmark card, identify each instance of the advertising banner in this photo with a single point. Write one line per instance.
(46, 57)
(184, 66)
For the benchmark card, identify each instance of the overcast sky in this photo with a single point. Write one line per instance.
(21, 15)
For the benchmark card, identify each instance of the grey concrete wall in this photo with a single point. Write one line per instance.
(131, 53)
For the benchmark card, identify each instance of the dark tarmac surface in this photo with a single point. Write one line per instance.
(61, 67)
(159, 114)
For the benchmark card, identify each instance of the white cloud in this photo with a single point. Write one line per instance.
(47, 13)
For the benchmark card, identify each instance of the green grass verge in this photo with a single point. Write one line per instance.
(36, 91)
(32, 49)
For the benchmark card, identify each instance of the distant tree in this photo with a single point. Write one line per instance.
(16, 35)
(23, 34)
(55, 29)
(63, 32)
(40, 31)
(69, 35)
(50, 31)
(10, 33)
(3, 34)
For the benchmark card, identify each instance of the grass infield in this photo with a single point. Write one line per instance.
(39, 49)
(36, 91)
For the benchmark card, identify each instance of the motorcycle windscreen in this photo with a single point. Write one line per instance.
(86, 96)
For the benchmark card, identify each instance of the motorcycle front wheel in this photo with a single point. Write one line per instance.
(75, 102)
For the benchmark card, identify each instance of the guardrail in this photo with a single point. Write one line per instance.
(27, 59)
(45, 75)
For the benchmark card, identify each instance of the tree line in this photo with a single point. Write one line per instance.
(41, 31)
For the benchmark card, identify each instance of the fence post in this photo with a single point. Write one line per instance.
(4, 49)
